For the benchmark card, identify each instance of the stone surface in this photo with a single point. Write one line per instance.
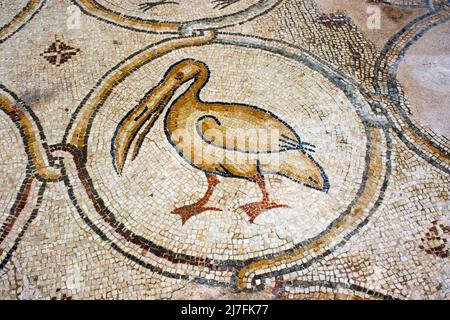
(224, 149)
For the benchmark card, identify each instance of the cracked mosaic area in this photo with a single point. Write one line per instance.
(224, 149)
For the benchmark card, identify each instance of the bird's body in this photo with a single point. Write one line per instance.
(221, 139)
(232, 140)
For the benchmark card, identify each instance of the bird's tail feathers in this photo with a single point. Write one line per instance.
(300, 167)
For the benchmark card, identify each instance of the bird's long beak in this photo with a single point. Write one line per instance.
(130, 132)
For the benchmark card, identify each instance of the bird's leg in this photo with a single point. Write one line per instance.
(191, 210)
(253, 210)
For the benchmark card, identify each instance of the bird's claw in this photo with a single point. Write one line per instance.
(187, 212)
(144, 7)
(253, 210)
(222, 4)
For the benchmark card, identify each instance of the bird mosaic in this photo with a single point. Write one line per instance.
(204, 134)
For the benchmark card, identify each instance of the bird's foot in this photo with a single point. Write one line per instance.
(187, 212)
(146, 6)
(222, 4)
(253, 210)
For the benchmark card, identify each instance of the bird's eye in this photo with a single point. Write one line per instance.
(179, 76)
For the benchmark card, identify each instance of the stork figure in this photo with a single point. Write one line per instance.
(200, 133)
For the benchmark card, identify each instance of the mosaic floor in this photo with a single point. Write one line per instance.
(224, 149)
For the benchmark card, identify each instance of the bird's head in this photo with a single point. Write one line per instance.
(184, 71)
(313, 175)
(137, 123)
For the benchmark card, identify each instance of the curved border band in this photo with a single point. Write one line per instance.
(39, 170)
(21, 19)
(435, 152)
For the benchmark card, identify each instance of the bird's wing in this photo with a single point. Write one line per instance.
(246, 129)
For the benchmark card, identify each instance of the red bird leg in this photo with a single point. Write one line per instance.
(191, 210)
(254, 209)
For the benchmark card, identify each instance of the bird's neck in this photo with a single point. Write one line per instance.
(200, 80)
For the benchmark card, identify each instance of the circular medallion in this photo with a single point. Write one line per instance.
(134, 209)
(173, 16)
